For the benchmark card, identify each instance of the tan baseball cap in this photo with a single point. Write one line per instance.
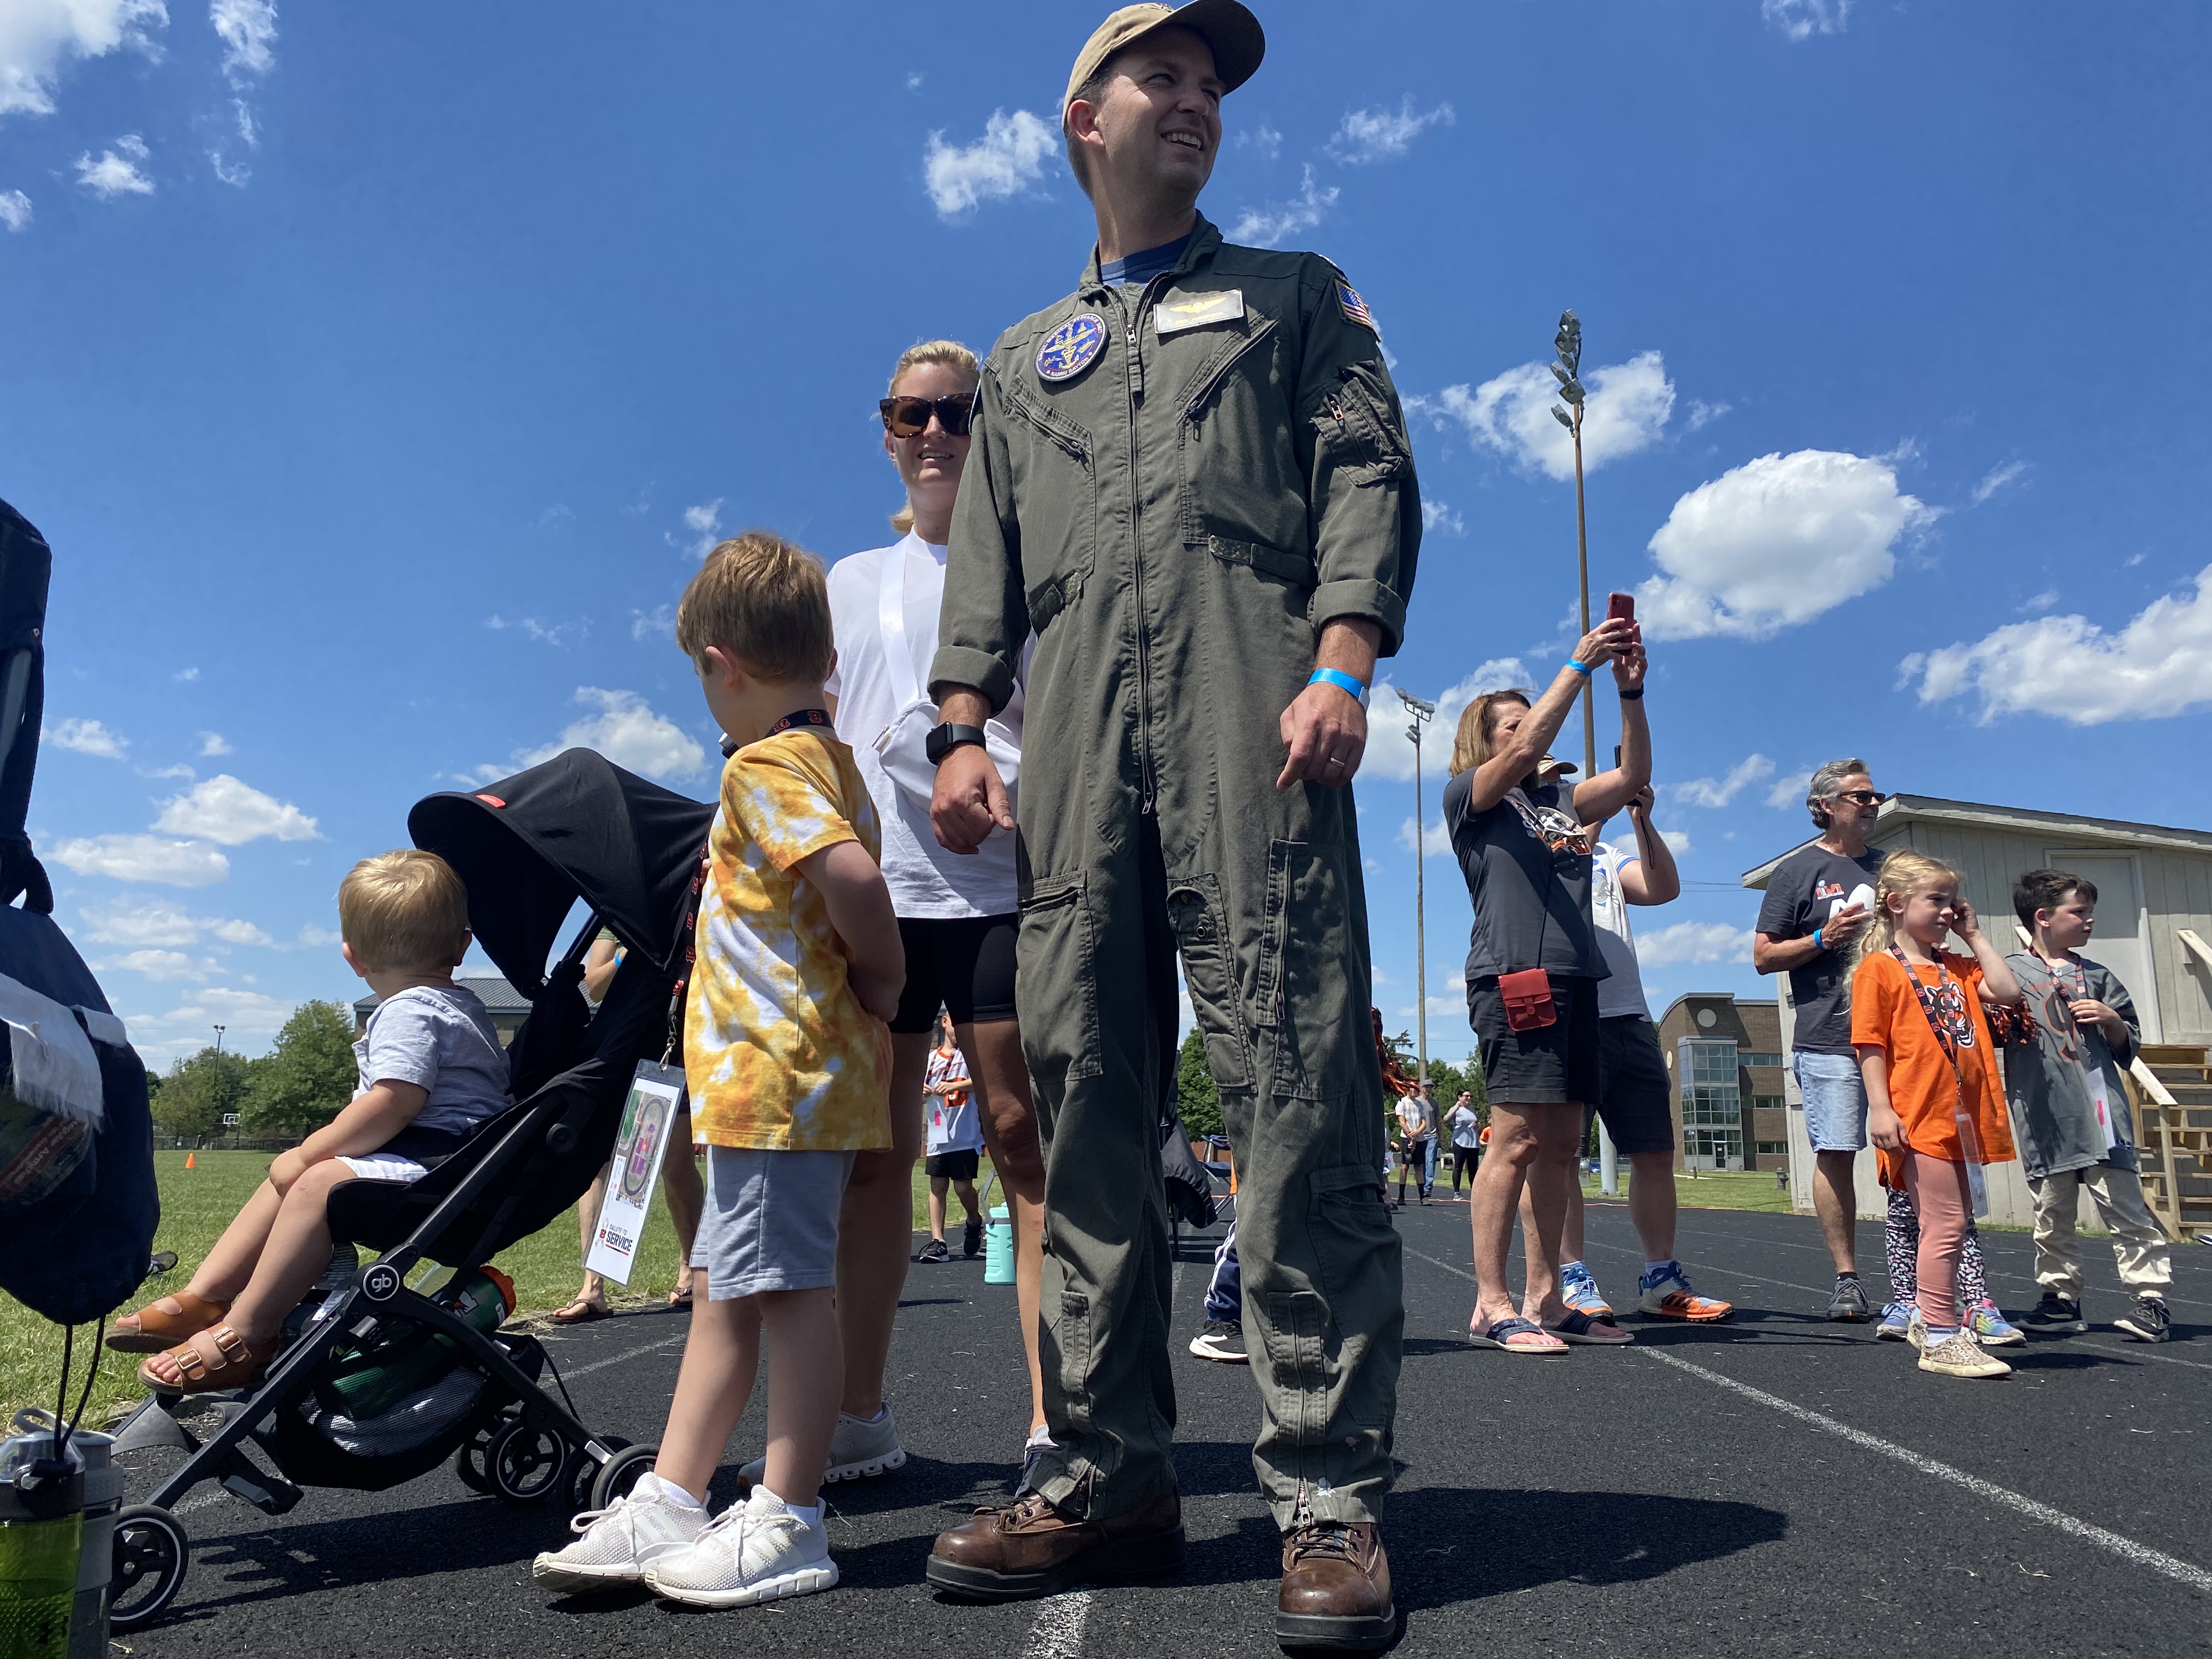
(1228, 29)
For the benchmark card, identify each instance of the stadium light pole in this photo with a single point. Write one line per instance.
(1569, 344)
(219, 1030)
(1423, 712)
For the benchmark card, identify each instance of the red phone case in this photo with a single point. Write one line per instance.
(1528, 1005)
(1622, 605)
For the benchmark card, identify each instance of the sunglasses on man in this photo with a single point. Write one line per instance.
(909, 418)
(1861, 797)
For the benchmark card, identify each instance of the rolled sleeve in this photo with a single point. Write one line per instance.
(1365, 601)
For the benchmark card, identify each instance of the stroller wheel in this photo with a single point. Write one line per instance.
(151, 1554)
(472, 1462)
(584, 1473)
(619, 1473)
(525, 1464)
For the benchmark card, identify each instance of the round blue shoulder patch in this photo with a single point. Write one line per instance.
(1068, 349)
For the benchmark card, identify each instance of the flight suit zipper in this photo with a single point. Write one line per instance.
(1133, 335)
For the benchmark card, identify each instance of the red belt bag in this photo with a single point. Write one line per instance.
(1528, 1005)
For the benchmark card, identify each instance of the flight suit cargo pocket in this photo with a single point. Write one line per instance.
(1209, 971)
(1055, 478)
(1358, 428)
(1060, 983)
(1305, 994)
(1353, 1241)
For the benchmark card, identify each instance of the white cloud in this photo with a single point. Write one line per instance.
(116, 175)
(1687, 942)
(144, 857)
(160, 964)
(1263, 138)
(1271, 226)
(313, 935)
(1390, 750)
(36, 36)
(224, 809)
(1703, 414)
(179, 770)
(657, 623)
(704, 522)
(87, 737)
(1774, 542)
(142, 923)
(2040, 602)
(248, 28)
(213, 744)
(185, 675)
(1719, 791)
(1800, 19)
(1996, 479)
(15, 209)
(629, 733)
(1678, 842)
(1438, 515)
(1006, 161)
(244, 1016)
(1789, 790)
(556, 633)
(1627, 409)
(1374, 135)
(2069, 668)
(913, 80)
(1435, 839)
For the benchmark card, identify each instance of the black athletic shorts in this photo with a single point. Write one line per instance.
(1554, 1064)
(962, 963)
(1635, 1091)
(954, 1166)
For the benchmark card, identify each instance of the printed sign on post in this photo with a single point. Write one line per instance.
(656, 1096)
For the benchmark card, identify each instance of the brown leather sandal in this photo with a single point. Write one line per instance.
(234, 1365)
(160, 1326)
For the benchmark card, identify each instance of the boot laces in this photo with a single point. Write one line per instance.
(1323, 1539)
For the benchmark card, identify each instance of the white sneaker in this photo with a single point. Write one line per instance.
(756, 1551)
(617, 1544)
(861, 1446)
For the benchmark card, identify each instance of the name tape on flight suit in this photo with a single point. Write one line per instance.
(1068, 349)
(1180, 311)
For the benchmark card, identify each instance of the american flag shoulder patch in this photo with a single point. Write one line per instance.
(1355, 308)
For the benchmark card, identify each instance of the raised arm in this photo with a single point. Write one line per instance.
(1653, 878)
(1532, 740)
(2000, 988)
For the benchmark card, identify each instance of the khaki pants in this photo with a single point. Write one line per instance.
(2138, 1242)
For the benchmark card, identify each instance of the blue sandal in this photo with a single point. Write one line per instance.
(1517, 1335)
(1579, 1327)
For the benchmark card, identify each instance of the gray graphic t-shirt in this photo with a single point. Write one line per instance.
(1807, 888)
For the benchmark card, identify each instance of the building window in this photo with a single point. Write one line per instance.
(1713, 1149)
(1767, 1103)
(1774, 1149)
(1712, 1104)
(1755, 1057)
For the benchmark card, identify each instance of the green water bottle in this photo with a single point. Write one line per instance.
(999, 1247)
(41, 1537)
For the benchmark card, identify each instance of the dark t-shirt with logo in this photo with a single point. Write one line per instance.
(1527, 868)
(1805, 888)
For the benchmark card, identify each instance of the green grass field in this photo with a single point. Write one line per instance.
(198, 1204)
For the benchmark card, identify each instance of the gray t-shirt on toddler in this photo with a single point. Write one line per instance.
(438, 1038)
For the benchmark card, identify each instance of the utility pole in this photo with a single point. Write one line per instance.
(219, 1030)
(1423, 712)
(1568, 343)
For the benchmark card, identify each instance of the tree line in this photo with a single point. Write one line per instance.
(1199, 1099)
(300, 1085)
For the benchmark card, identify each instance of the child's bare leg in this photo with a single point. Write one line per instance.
(937, 1186)
(223, 1274)
(297, 1251)
(806, 1368)
(721, 1354)
(965, 1191)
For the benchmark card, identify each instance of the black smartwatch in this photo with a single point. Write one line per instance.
(944, 739)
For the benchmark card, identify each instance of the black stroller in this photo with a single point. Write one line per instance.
(578, 827)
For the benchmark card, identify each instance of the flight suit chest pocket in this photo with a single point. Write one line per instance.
(1304, 994)
(1240, 478)
(1059, 981)
(1055, 478)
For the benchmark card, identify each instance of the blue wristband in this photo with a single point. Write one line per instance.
(1817, 945)
(1342, 681)
(1579, 667)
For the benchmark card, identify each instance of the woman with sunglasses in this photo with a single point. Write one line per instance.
(958, 914)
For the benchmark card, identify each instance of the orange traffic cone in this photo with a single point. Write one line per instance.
(188, 1161)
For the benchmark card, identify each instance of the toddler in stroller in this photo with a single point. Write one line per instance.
(431, 1070)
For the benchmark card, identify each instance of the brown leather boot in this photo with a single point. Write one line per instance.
(1336, 1588)
(1026, 1549)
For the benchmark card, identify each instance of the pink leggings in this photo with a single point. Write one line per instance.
(1946, 1204)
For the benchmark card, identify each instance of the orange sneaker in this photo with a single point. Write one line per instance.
(1667, 1295)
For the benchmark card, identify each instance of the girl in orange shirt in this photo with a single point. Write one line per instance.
(1936, 1104)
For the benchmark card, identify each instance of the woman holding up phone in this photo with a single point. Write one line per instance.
(1532, 966)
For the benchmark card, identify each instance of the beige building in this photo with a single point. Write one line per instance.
(2154, 931)
(1724, 1060)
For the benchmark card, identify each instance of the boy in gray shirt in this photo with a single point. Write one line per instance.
(2070, 1111)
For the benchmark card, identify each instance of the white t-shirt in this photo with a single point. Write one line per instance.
(924, 879)
(1621, 992)
(952, 1125)
(1466, 1126)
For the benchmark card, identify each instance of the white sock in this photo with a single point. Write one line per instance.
(809, 1514)
(883, 1412)
(1651, 1268)
(1039, 1435)
(651, 1485)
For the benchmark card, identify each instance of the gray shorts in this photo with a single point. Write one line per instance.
(1835, 1101)
(770, 1222)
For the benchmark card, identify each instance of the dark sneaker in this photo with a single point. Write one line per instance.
(1336, 1589)
(934, 1251)
(2147, 1320)
(971, 1237)
(1020, 1550)
(1222, 1340)
(2055, 1316)
(1847, 1306)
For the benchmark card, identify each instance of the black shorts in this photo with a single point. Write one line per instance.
(1635, 1091)
(964, 964)
(953, 1166)
(1553, 1065)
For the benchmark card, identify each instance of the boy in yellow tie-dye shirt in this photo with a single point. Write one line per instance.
(787, 1054)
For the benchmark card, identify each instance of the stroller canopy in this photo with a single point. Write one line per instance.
(579, 826)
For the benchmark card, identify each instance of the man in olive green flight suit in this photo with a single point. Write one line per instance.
(1196, 488)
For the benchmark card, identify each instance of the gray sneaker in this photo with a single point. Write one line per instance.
(859, 1448)
(1847, 1306)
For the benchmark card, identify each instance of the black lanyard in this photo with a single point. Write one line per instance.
(1952, 1035)
(800, 717)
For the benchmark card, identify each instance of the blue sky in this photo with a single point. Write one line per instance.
(377, 373)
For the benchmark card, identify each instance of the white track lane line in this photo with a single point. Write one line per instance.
(2126, 1548)
(1058, 1632)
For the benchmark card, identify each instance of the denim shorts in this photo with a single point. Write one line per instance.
(1835, 1101)
(771, 1220)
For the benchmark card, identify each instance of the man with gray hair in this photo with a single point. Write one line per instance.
(1819, 901)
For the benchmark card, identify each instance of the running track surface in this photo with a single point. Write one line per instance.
(1775, 1486)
